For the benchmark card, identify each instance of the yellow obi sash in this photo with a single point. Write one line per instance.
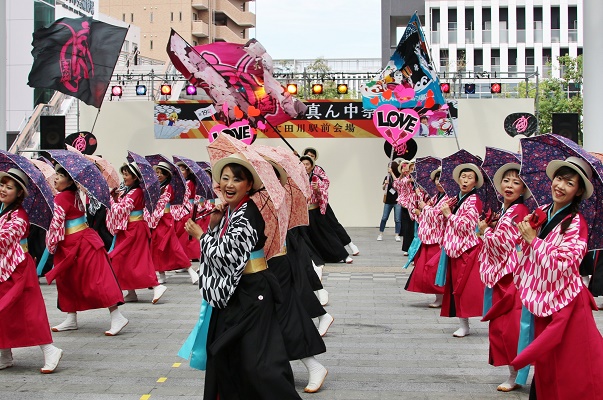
(136, 216)
(312, 207)
(24, 245)
(75, 225)
(283, 251)
(166, 210)
(256, 263)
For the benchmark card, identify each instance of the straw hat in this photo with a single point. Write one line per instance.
(500, 173)
(434, 172)
(236, 158)
(456, 173)
(163, 166)
(578, 165)
(18, 176)
(311, 149)
(282, 174)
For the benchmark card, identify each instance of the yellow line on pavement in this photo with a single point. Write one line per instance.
(161, 380)
(145, 397)
(176, 365)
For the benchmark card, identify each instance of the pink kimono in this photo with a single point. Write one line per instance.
(464, 291)
(497, 262)
(567, 351)
(85, 279)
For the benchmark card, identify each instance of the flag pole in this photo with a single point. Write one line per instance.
(434, 68)
(281, 136)
(95, 118)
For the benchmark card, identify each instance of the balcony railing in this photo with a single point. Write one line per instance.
(521, 36)
(555, 35)
(200, 4)
(503, 36)
(435, 37)
(487, 36)
(239, 17)
(200, 29)
(469, 36)
(226, 34)
(452, 37)
(572, 35)
(537, 35)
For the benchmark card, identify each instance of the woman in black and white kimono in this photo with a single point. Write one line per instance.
(246, 355)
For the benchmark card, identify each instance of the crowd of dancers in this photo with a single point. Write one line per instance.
(517, 268)
(257, 310)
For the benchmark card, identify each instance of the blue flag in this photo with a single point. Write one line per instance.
(409, 79)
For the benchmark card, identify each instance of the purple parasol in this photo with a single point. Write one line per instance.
(204, 186)
(496, 158)
(178, 182)
(424, 166)
(39, 204)
(149, 182)
(487, 193)
(537, 152)
(85, 173)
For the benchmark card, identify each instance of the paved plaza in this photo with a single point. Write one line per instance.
(384, 344)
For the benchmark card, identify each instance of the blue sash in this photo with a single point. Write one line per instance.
(526, 336)
(195, 346)
(414, 247)
(440, 279)
(70, 223)
(487, 300)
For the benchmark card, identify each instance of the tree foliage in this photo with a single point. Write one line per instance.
(558, 95)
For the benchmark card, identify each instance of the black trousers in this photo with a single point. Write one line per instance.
(408, 229)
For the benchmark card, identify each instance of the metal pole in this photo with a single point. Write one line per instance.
(593, 59)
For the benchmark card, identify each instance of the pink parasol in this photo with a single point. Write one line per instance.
(48, 172)
(270, 199)
(297, 187)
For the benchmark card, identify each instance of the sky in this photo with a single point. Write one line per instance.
(308, 29)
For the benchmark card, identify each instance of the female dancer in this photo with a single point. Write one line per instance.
(463, 291)
(405, 187)
(321, 233)
(131, 256)
(184, 213)
(166, 250)
(431, 231)
(567, 351)
(497, 262)
(22, 308)
(85, 279)
(246, 354)
(326, 209)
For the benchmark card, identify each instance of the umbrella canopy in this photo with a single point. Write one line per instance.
(297, 188)
(486, 193)
(178, 182)
(270, 199)
(106, 168)
(149, 182)
(496, 158)
(204, 186)
(537, 152)
(424, 166)
(39, 204)
(48, 172)
(84, 173)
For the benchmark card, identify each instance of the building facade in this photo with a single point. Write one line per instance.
(197, 21)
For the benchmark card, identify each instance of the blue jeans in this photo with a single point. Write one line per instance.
(387, 209)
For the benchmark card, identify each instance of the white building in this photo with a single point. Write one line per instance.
(503, 36)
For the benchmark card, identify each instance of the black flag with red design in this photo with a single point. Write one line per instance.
(76, 56)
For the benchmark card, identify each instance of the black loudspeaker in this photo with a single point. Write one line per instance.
(567, 125)
(52, 132)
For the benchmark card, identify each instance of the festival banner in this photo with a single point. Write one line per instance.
(76, 56)
(189, 119)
